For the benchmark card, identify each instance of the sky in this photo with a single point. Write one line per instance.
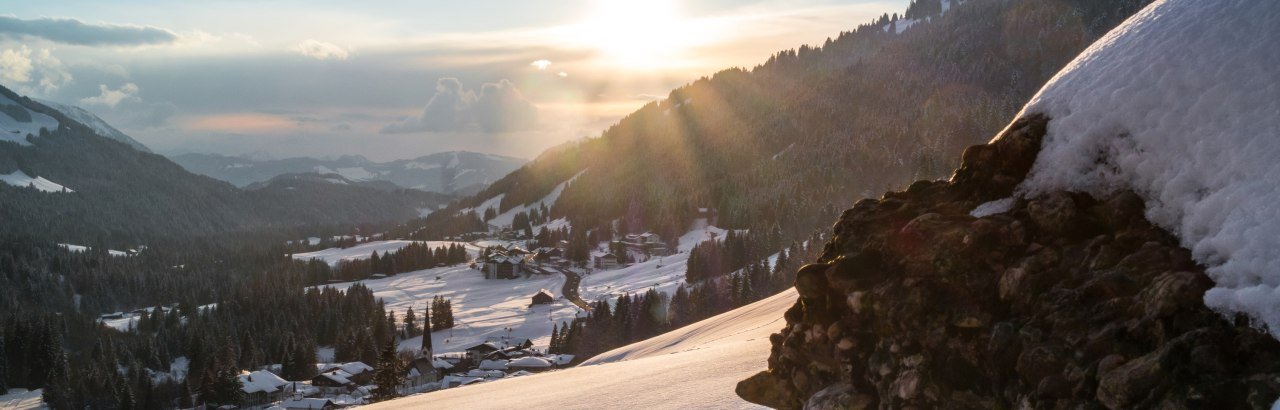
(389, 79)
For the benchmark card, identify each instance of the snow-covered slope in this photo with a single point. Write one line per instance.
(16, 122)
(99, 126)
(696, 366)
(507, 217)
(21, 179)
(1182, 104)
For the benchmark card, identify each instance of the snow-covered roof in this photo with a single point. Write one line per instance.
(530, 362)
(441, 364)
(546, 292)
(337, 376)
(1179, 104)
(351, 368)
(561, 359)
(499, 364)
(495, 374)
(306, 403)
(261, 381)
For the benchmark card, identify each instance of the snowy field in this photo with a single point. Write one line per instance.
(696, 366)
(16, 129)
(362, 251)
(22, 399)
(20, 179)
(665, 273)
(483, 309)
(1181, 104)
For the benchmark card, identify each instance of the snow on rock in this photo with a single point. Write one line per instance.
(16, 122)
(362, 251)
(21, 179)
(696, 366)
(1181, 104)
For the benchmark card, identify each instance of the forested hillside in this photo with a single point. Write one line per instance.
(792, 140)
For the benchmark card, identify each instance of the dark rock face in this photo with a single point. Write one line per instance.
(1064, 301)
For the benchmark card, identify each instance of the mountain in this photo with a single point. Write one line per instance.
(99, 126)
(115, 193)
(456, 172)
(1113, 247)
(787, 142)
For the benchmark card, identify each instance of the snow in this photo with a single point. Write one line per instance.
(82, 248)
(483, 309)
(21, 179)
(696, 366)
(1180, 105)
(22, 398)
(484, 206)
(260, 381)
(16, 131)
(362, 251)
(507, 217)
(356, 173)
(998, 206)
(530, 362)
(662, 273)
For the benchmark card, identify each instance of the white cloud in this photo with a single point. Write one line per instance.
(19, 68)
(110, 98)
(541, 64)
(15, 65)
(321, 50)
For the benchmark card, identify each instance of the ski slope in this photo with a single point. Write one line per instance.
(483, 309)
(22, 180)
(696, 366)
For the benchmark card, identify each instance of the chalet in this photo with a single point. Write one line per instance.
(543, 297)
(647, 243)
(504, 267)
(421, 371)
(545, 254)
(262, 387)
(605, 260)
(308, 404)
(480, 351)
(333, 382)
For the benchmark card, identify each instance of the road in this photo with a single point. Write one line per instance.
(570, 290)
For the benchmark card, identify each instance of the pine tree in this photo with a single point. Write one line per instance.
(554, 347)
(389, 375)
(410, 323)
(4, 368)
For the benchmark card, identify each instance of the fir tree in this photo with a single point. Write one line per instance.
(390, 374)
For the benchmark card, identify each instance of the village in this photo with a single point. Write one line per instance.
(498, 256)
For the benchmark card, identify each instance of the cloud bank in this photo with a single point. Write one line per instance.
(320, 50)
(40, 72)
(500, 107)
(72, 31)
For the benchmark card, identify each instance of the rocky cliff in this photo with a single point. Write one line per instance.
(1062, 300)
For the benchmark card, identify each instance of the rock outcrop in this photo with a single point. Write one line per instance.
(1061, 301)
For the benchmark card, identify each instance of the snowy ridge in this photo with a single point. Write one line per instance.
(507, 217)
(27, 122)
(21, 179)
(1180, 104)
(99, 126)
(696, 366)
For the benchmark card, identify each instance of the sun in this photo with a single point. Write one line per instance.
(637, 34)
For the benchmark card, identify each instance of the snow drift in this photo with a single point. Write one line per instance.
(695, 366)
(1182, 105)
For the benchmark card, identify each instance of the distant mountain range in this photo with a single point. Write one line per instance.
(66, 175)
(456, 172)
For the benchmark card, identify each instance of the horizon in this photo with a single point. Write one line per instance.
(230, 79)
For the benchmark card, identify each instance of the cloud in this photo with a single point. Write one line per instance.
(342, 126)
(500, 107)
(19, 67)
(109, 97)
(541, 64)
(320, 50)
(72, 31)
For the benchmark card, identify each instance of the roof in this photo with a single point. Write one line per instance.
(484, 347)
(309, 403)
(338, 376)
(530, 361)
(351, 368)
(545, 292)
(260, 381)
(441, 364)
(493, 365)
